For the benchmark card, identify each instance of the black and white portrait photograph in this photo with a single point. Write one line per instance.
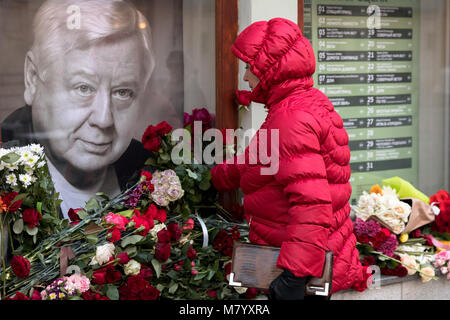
(84, 78)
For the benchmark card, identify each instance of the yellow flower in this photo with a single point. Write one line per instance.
(403, 237)
(52, 296)
(61, 295)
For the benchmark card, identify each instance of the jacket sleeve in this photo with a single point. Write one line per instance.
(303, 176)
(226, 176)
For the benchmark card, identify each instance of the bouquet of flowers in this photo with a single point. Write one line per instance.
(384, 204)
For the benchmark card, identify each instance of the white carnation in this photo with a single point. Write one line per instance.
(102, 254)
(132, 268)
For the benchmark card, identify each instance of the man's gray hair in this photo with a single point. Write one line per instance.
(100, 20)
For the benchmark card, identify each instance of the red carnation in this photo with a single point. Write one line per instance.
(20, 266)
(142, 221)
(31, 217)
(146, 174)
(36, 295)
(162, 251)
(123, 257)
(212, 294)
(161, 215)
(369, 261)
(8, 201)
(115, 235)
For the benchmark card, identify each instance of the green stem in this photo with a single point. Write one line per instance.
(3, 258)
(398, 261)
(10, 237)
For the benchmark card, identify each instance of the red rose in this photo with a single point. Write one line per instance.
(36, 295)
(174, 231)
(401, 271)
(145, 272)
(191, 253)
(244, 97)
(163, 128)
(163, 236)
(115, 235)
(153, 145)
(204, 116)
(8, 201)
(20, 266)
(227, 269)
(149, 293)
(73, 215)
(416, 234)
(123, 257)
(31, 217)
(18, 296)
(162, 251)
(113, 276)
(99, 276)
(136, 283)
(212, 294)
(251, 293)
(146, 174)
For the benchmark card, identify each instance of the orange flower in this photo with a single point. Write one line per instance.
(376, 189)
(3, 206)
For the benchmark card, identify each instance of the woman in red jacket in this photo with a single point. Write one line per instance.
(303, 208)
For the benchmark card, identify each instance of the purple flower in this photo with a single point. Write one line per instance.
(389, 246)
(369, 228)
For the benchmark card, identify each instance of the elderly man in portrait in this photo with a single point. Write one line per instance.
(84, 90)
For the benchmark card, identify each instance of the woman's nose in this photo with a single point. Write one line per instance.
(101, 115)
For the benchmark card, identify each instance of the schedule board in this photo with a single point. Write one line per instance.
(367, 63)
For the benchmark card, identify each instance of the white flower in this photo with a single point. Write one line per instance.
(41, 164)
(132, 268)
(26, 179)
(31, 161)
(11, 179)
(11, 166)
(25, 155)
(36, 148)
(102, 254)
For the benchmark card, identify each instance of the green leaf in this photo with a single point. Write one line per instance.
(39, 207)
(92, 239)
(173, 288)
(92, 205)
(131, 251)
(31, 231)
(75, 298)
(172, 274)
(19, 197)
(131, 240)
(10, 158)
(112, 292)
(157, 266)
(127, 213)
(165, 157)
(211, 274)
(18, 226)
(82, 214)
(150, 162)
(102, 195)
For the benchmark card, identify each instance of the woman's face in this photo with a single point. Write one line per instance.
(250, 77)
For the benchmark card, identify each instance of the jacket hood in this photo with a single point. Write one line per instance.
(279, 55)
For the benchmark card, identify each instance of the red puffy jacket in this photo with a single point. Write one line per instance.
(303, 208)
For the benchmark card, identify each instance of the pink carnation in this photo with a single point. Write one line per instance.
(80, 282)
(117, 220)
